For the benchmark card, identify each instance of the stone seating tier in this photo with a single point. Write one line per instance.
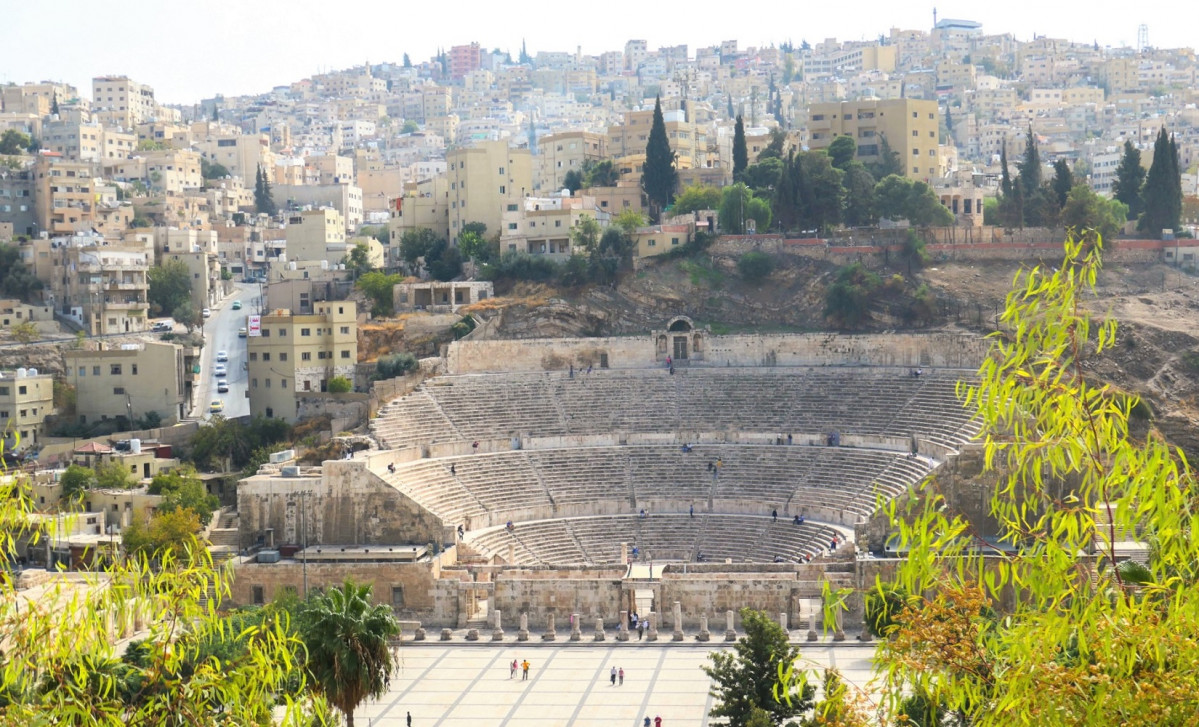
(849, 400)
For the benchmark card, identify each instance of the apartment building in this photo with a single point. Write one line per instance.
(296, 353)
(128, 381)
(173, 171)
(100, 286)
(631, 137)
(910, 126)
(543, 225)
(331, 168)
(64, 197)
(485, 181)
(344, 197)
(464, 59)
(316, 235)
(239, 154)
(17, 208)
(119, 101)
(26, 399)
(564, 152)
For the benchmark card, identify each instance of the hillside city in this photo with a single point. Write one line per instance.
(206, 306)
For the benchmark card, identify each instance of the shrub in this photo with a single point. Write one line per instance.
(340, 385)
(397, 364)
(755, 266)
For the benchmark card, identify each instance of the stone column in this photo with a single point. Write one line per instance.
(838, 631)
(652, 635)
(783, 621)
(678, 622)
(550, 634)
(730, 634)
(575, 633)
(523, 634)
(497, 632)
(599, 629)
(865, 636)
(624, 554)
(812, 626)
(511, 553)
(622, 633)
(704, 634)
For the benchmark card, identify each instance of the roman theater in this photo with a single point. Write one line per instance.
(552, 486)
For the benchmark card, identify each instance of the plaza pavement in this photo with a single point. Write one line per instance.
(446, 684)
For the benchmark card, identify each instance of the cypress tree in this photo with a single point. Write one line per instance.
(659, 176)
(784, 199)
(1163, 188)
(1030, 167)
(1063, 181)
(740, 152)
(1005, 180)
(1130, 181)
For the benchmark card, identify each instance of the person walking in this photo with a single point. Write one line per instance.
(646, 721)
(409, 719)
(613, 677)
(657, 722)
(620, 675)
(524, 665)
(640, 629)
(512, 670)
(693, 512)
(774, 516)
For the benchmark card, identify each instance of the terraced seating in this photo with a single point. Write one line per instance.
(850, 400)
(597, 540)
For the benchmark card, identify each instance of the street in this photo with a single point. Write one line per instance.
(220, 334)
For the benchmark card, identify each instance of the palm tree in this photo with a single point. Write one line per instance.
(347, 640)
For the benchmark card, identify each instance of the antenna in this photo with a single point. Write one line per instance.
(934, 16)
(1142, 37)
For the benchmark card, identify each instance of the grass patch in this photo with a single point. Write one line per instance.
(702, 273)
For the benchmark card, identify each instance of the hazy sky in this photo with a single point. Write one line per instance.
(191, 50)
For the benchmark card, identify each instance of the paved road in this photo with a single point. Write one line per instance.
(220, 334)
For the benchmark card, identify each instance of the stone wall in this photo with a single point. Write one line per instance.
(912, 349)
(560, 592)
(347, 504)
(417, 582)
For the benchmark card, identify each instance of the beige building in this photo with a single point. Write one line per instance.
(331, 168)
(568, 151)
(64, 197)
(344, 197)
(99, 285)
(119, 101)
(485, 181)
(130, 382)
(300, 353)
(316, 235)
(240, 155)
(26, 399)
(686, 140)
(910, 127)
(543, 225)
(424, 205)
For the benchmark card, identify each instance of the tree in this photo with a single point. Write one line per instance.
(358, 260)
(1005, 176)
(1048, 630)
(212, 170)
(755, 266)
(16, 279)
(573, 180)
(1163, 188)
(775, 147)
(24, 332)
(913, 251)
(74, 481)
(822, 191)
(114, 476)
(888, 160)
(407, 61)
(348, 643)
(763, 177)
(1030, 166)
(396, 364)
(443, 262)
(340, 385)
(1085, 210)
(174, 530)
(378, 286)
(264, 200)
(170, 286)
(740, 152)
(1130, 180)
(409, 127)
(586, 234)
(416, 244)
(228, 443)
(186, 314)
(659, 176)
(474, 245)
(14, 142)
(697, 197)
(847, 301)
(61, 661)
(629, 220)
(859, 195)
(737, 205)
(600, 174)
(1063, 181)
(841, 151)
(745, 677)
(181, 489)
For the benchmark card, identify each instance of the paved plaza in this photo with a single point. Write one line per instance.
(456, 685)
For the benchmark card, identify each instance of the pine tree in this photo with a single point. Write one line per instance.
(264, 201)
(216, 112)
(659, 177)
(407, 61)
(784, 198)
(888, 160)
(1163, 188)
(740, 152)
(1030, 166)
(1005, 179)
(54, 105)
(1130, 181)
(731, 112)
(524, 53)
(1063, 181)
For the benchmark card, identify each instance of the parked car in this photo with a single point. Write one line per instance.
(222, 356)
(219, 370)
(222, 385)
(237, 305)
(216, 405)
(206, 313)
(242, 332)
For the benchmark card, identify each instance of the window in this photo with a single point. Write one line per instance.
(283, 356)
(133, 367)
(915, 170)
(397, 597)
(253, 383)
(282, 383)
(817, 117)
(266, 355)
(915, 152)
(267, 382)
(345, 354)
(915, 133)
(266, 332)
(915, 115)
(345, 330)
(306, 356)
(932, 134)
(932, 152)
(503, 189)
(3, 391)
(118, 390)
(114, 369)
(95, 371)
(257, 596)
(305, 331)
(512, 208)
(254, 356)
